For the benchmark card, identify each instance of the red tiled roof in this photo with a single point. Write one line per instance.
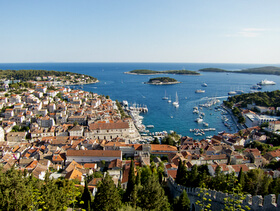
(172, 173)
(94, 153)
(109, 126)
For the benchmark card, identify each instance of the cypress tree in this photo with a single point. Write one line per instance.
(107, 196)
(241, 178)
(86, 197)
(178, 179)
(130, 183)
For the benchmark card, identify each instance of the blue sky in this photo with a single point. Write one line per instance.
(217, 31)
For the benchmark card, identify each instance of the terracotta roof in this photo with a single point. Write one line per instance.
(57, 158)
(109, 126)
(216, 157)
(275, 153)
(32, 165)
(74, 174)
(224, 167)
(90, 165)
(237, 168)
(172, 173)
(94, 153)
(115, 163)
(73, 165)
(163, 147)
(94, 181)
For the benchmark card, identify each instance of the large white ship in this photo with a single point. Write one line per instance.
(266, 82)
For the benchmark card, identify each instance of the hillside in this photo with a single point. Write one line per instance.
(270, 70)
(27, 75)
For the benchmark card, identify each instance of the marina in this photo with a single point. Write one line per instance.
(161, 113)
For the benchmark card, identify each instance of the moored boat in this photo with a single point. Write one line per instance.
(199, 91)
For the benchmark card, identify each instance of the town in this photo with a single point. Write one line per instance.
(72, 134)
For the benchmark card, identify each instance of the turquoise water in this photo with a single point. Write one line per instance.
(120, 86)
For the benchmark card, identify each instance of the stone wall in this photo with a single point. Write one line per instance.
(256, 203)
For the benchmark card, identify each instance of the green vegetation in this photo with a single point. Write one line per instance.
(269, 70)
(21, 192)
(171, 139)
(162, 80)
(26, 75)
(269, 99)
(254, 182)
(210, 69)
(123, 114)
(153, 72)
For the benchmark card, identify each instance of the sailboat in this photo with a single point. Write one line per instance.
(169, 100)
(176, 102)
(165, 97)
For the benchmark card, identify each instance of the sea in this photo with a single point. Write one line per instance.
(163, 115)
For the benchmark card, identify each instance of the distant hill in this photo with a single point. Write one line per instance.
(270, 70)
(210, 69)
(153, 72)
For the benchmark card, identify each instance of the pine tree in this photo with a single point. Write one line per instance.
(182, 202)
(107, 196)
(152, 196)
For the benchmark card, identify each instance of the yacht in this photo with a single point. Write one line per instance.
(256, 87)
(199, 120)
(205, 124)
(150, 126)
(199, 91)
(176, 102)
(239, 92)
(266, 82)
(232, 93)
(169, 100)
(204, 85)
(165, 97)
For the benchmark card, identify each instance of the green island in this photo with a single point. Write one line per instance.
(162, 81)
(210, 69)
(153, 72)
(63, 78)
(269, 70)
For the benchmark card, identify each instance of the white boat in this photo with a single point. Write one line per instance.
(199, 120)
(169, 100)
(266, 82)
(256, 87)
(165, 97)
(199, 91)
(205, 124)
(176, 102)
(232, 93)
(150, 126)
(204, 85)
(239, 91)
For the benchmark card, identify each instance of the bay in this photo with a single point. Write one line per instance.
(163, 115)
